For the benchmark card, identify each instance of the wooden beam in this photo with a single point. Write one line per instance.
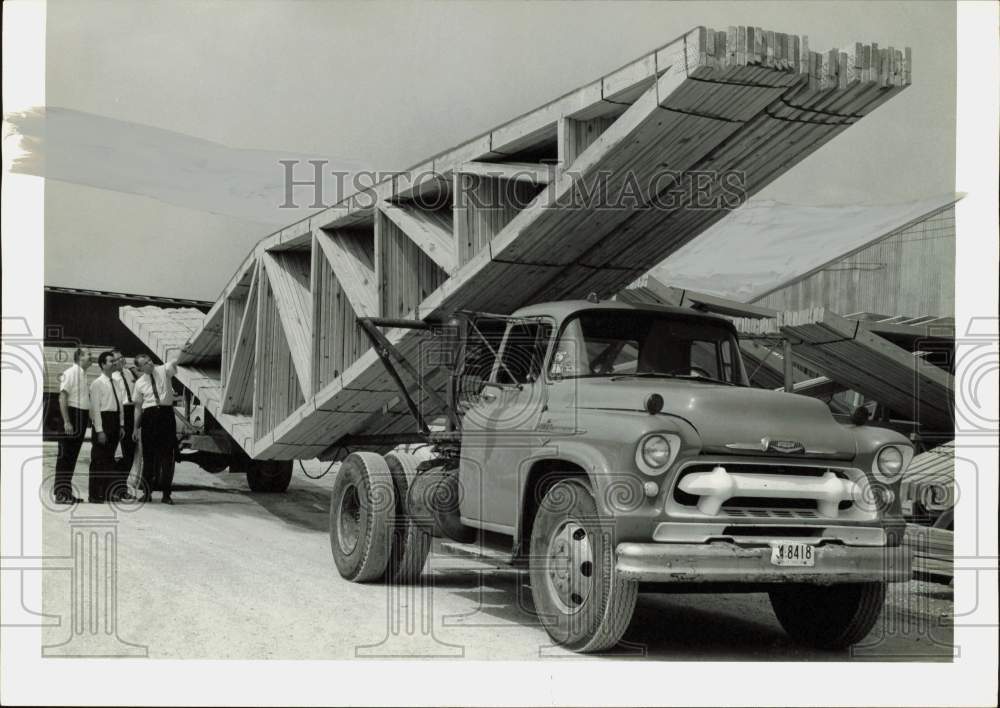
(206, 343)
(518, 171)
(337, 339)
(288, 273)
(427, 229)
(483, 206)
(405, 273)
(237, 390)
(575, 136)
(353, 267)
(462, 184)
(648, 289)
(789, 363)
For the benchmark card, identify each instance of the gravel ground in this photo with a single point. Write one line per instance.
(229, 574)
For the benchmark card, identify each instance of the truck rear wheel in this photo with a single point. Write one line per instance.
(579, 598)
(362, 510)
(269, 475)
(411, 542)
(828, 617)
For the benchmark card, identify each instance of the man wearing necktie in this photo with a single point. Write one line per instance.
(155, 422)
(106, 414)
(74, 404)
(125, 382)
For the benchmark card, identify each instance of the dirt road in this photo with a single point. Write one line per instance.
(229, 574)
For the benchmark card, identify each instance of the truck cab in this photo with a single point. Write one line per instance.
(621, 447)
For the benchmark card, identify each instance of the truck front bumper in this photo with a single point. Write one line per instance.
(727, 562)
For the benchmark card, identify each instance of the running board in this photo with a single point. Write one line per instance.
(478, 551)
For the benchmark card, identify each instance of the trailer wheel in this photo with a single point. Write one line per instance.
(362, 511)
(828, 617)
(579, 598)
(410, 540)
(269, 475)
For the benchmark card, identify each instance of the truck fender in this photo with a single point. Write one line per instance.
(578, 459)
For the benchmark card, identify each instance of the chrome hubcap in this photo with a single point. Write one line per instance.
(569, 568)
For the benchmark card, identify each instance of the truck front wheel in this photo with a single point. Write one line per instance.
(828, 617)
(579, 598)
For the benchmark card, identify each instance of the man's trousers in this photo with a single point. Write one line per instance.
(159, 440)
(69, 450)
(103, 474)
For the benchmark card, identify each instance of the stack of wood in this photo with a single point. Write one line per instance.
(583, 194)
(933, 552)
(851, 353)
(928, 486)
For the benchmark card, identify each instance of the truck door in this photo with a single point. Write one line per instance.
(499, 429)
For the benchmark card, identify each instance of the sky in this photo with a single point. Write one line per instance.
(384, 85)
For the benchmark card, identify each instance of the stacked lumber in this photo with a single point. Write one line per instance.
(932, 552)
(647, 290)
(166, 332)
(848, 352)
(585, 194)
(929, 481)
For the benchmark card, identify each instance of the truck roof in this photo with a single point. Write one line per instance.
(560, 309)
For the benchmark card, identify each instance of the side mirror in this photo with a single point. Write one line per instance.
(860, 415)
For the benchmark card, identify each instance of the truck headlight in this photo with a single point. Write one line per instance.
(656, 451)
(889, 462)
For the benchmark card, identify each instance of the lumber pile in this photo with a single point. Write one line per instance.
(933, 552)
(585, 194)
(850, 353)
(166, 331)
(929, 481)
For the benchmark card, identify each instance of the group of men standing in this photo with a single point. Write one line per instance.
(122, 407)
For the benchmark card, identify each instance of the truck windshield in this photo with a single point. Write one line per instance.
(643, 343)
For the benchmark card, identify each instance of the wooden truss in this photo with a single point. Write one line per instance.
(509, 218)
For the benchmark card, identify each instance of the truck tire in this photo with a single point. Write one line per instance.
(410, 541)
(269, 475)
(579, 598)
(828, 617)
(362, 511)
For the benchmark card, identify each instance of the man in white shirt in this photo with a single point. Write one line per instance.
(155, 422)
(106, 412)
(74, 404)
(125, 381)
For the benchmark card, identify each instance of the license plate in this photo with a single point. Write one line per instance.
(798, 554)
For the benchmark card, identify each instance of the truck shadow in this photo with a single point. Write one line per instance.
(665, 626)
(305, 507)
(675, 627)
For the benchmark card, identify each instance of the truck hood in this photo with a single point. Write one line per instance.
(729, 419)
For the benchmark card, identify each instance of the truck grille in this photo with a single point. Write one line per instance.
(761, 491)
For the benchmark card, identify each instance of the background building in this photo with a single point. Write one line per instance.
(909, 271)
(89, 318)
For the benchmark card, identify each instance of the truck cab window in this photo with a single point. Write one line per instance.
(623, 342)
(523, 353)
